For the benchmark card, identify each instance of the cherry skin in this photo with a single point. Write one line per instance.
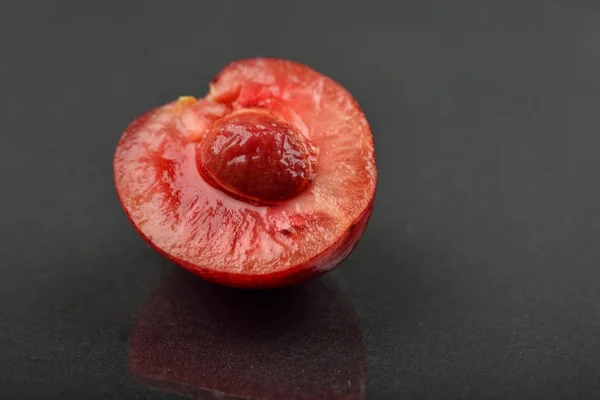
(255, 156)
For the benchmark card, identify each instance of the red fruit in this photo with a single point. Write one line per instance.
(267, 181)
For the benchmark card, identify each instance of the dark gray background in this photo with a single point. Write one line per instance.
(479, 274)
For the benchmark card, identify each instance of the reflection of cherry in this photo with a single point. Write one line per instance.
(303, 342)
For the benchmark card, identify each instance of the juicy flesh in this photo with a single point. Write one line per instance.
(204, 228)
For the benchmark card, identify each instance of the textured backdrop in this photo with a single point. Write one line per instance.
(478, 275)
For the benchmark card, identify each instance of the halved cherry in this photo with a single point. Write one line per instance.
(267, 181)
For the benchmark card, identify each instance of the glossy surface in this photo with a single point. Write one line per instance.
(477, 278)
(201, 340)
(227, 239)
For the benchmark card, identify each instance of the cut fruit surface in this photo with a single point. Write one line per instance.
(267, 181)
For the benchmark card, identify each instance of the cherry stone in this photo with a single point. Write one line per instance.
(255, 156)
